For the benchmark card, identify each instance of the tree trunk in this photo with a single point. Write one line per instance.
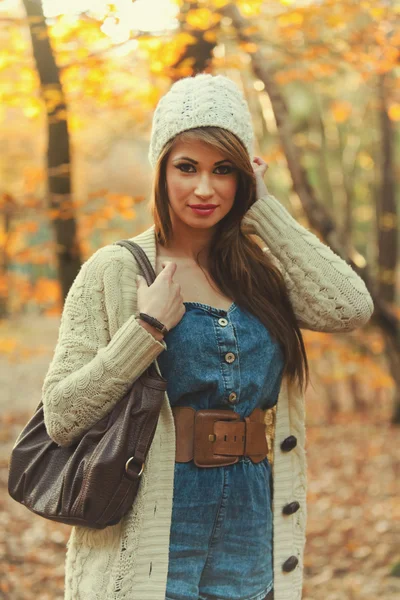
(393, 358)
(318, 216)
(197, 56)
(58, 153)
(387, 218)
(387, 222)
(8, 208)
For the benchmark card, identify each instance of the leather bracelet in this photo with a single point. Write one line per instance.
(154, 322)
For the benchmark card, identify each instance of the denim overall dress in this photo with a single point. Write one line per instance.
(221, 529)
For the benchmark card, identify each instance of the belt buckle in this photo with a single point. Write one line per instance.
(204, 437)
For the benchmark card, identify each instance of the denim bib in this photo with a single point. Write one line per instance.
(221, 538)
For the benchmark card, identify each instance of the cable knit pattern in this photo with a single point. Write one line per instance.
(203, 100)
(90, 371)
(326, 294)
(102, 349)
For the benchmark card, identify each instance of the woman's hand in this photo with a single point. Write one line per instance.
(162, 299)
(260, 167)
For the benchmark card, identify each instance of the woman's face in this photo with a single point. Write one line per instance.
(197, 174)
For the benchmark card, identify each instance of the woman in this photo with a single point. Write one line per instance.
(221, 513)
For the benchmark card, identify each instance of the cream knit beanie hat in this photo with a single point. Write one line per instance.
(200, 101)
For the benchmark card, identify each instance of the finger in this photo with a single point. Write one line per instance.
(170, 268)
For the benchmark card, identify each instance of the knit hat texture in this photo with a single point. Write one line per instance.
(202, 100)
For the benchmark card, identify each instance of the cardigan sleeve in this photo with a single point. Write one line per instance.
(325, 292)
(90, 372)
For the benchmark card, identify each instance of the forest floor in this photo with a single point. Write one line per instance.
(353, 525)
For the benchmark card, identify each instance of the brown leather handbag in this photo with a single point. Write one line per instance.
(94, 481)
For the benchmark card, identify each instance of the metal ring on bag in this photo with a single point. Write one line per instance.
(127, 465)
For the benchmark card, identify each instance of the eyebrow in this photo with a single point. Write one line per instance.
(195, 162)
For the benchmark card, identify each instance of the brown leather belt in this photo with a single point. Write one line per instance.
(214, 437)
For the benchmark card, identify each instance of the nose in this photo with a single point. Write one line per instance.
(204, 188)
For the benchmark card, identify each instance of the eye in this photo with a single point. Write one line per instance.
(227, 172)
(184, 165)
(230, 169)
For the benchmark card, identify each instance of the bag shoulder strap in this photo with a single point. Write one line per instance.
(149, 274)
(141, 257)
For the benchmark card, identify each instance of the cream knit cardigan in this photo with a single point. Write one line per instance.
(102, 350)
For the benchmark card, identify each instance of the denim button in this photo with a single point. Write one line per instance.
(229, 357)
(232, 397)
(223, 322)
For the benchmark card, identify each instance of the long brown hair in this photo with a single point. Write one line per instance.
(237, 264)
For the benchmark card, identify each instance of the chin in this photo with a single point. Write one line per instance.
(202, 223)
(197, 222)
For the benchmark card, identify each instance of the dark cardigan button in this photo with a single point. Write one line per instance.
(289, 443)
(290, 564)
(291, 508)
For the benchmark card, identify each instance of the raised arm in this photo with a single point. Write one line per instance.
(97, 357)
(325, 292)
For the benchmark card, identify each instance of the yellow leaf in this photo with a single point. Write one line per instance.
(31, 227)
(108, 212)
(157, 66)
(185, 39)
(32, 111)
(7, 345)
(54, 311)
(394, 112)
(251, 30)
(250, 9)
(82, 52)
(53, 97)
(378, 12)
(334, 21)
(46, 290)
(365, 160)
(127, 214)
(123, 201)
(220, 3)
(150, 43)
(249, 47)
(75, 123)
(210, 36)
(326, 69)
(292, 18)
(202, 18)
(341, 111)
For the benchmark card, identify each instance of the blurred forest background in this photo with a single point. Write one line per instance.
(79, 81)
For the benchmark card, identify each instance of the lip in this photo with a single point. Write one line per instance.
(203, 205)
(203, 212)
